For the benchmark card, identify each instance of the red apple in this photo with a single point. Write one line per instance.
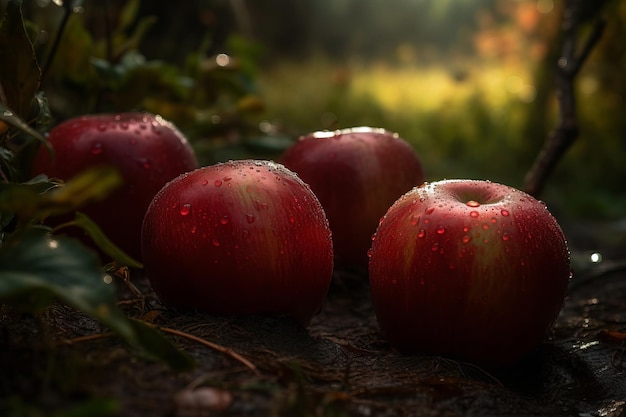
(243, 237)
(147, 151)
(469, 269)
(356, 174)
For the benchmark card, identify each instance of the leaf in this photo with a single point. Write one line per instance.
(103, 242)
(20, 74)
(37, 269)
(10, 118)
(41, 198)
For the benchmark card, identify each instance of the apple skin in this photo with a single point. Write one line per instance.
(146, 150)
(239, 238)
(468, 269)
(357, 174)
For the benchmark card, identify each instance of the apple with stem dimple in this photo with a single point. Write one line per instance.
(242, 237)
(357, 174)
(469, 269)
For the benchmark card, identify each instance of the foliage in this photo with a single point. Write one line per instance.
(37, 267)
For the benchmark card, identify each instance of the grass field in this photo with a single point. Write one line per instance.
(466, 121)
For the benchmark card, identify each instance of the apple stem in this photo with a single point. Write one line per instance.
(568, 66)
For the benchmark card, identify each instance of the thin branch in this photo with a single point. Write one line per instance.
(219, 348)
(567, 130)
(214, 346)
(67, 12)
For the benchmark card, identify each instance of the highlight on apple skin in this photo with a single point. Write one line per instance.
(468, 269)
(357, 174)
(239, 238)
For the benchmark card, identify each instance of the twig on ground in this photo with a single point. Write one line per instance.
(219, 348)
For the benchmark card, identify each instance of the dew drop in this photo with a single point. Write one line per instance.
(429, 210)
(465, 229)
(504, 212)
(474, 214)
(144, 163)
(205, 182)
(485, 226)
(218, 183)
(415, 220)
(224, 220)
(473, 203)
(292, 219)
(96, 149)
(193, 230)
(185, 209)
(227, 179)
(435, 247)
(250, 218)
(494, 220)
(441, 230)
(421, 233)
(466, 239)
(215, 242)
(505, 236)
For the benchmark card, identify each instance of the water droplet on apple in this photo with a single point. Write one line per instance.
(205, 182)
(429, 210)
(485, 226)
(144, 163)
(226, 179)
(421, 233)
(185, 209)
(504, 212)
(466, 239)
(435, 247)
(415, 220)
(494, 220)
(505, 236)
(292, 219)
(215, 242)
(250, 218)
(193, 230)
(473, 203)
(96, 149)
(474, 214)
(441, 230)
(224, 220)
(218, 183)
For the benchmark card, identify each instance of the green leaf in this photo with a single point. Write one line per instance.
(36, 269)
(41, 198)
(102, 241)
(20, 74)
(10, 118)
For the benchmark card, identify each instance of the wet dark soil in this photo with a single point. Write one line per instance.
(339, 366)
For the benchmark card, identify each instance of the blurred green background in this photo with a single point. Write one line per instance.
(469, 83)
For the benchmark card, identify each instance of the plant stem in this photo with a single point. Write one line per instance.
(567, 130)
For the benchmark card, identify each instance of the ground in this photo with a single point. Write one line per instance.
(339, 366)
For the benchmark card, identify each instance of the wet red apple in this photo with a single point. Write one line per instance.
(236, 238)
(468, 269)
(146, 150)
(356, 174)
